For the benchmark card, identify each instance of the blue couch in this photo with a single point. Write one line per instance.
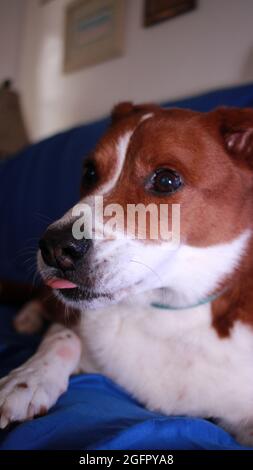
(37, 186)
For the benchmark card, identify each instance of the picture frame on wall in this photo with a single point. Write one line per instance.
(157, 11)
(44, 2)
(94, 32)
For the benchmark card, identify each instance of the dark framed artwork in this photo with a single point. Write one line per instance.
(161, 10)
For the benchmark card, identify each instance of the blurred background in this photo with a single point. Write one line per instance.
(208, 47)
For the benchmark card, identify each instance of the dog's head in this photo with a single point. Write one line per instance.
(200, 162)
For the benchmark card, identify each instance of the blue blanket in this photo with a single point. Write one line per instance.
(38, 186)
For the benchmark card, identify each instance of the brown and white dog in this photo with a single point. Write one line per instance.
(174, 327)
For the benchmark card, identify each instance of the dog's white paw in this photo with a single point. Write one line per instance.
(30, 319)
(28, 392)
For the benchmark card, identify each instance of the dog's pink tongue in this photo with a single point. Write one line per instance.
(60, 284)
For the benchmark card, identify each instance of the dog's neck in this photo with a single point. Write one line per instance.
(214, 278)
(196, 275)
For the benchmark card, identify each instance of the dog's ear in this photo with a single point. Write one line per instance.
(121, 111)
(237, 131)
(126, 109)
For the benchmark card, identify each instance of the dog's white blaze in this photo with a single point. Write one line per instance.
(146, 116)
(121, 151)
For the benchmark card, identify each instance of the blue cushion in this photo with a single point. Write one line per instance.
(37, 187)
(96, 414)
(240, 97)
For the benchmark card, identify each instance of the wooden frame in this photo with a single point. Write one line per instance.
(94, 32)
(161, 10)
(44, 2)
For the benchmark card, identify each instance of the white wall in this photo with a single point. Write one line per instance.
(208, 48)
(12, 13)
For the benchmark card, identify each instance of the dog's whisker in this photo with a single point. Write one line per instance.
(33, 277)
(33, 239)
(31, 267)
(148, 267)
(66, 312)
(44, 217)
(28, 260)
(26, 252)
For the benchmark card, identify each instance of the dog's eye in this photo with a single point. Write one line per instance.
(164, 181)
(89, 177)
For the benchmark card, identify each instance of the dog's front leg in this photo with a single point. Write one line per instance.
(34, 387)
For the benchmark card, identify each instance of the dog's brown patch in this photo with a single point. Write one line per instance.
(43, 411)
(22, 385)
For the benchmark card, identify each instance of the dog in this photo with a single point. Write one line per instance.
(171, 326)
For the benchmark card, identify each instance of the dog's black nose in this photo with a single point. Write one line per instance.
(59, 249)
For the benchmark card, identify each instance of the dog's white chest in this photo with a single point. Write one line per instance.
(172, 361)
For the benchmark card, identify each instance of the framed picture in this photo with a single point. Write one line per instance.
(161, 10)
(44, 2)
(94, 32)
